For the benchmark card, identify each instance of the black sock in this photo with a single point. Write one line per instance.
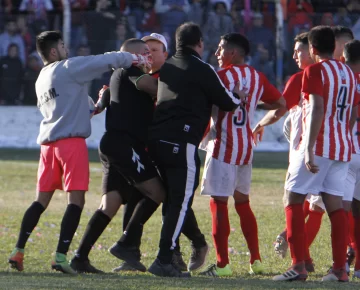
(69, 225)
(133, 232)
(29, 222)
(134, 199)
(94, 229)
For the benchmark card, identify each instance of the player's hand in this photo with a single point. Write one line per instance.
(309, 161)
(243, 95)
(258, 133)
(100, 104)
(142, 61)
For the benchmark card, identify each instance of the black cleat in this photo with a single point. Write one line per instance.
(124, 267)
(166, 270)
(131, 255)
(84, 267)
(178, 262)
(198, 258)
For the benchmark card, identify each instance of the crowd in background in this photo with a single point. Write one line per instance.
(98, 26)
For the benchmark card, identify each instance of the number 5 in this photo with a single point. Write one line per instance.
(240, 119)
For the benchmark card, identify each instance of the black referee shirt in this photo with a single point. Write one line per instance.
(188, 87)
(130, 110)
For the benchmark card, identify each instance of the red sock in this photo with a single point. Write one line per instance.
(351, 230)
(295, 224)
(249, 228)
(220, 230)
(357, 241)
(307, 257)
(339, 237)
(306, 208)
(313, 225)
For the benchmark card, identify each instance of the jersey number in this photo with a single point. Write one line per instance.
(341, 102)
(240, 118)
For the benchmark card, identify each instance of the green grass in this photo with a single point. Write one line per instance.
(17, 190)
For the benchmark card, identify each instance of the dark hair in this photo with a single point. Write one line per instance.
(188, 34)
(130, 42)
(302, 38)
(47, 40)
(341, 31)
(238, 40)
(323, 39)
(352, 51)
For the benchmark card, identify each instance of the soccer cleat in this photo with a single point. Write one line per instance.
(356, 274)
(124, 267)
(84, 267)
(131, 255)
(198, 258)
(336, 275)
(166, 270)
(62, 265)
(281, 247)
(178, 261)
(16, 259)
(257, 268)
(214, 271)
(292, 274)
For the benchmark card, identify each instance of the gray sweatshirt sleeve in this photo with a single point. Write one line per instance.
(86, 68)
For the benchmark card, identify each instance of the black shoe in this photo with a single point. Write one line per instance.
(124, 267)
(131, 255)
(198, 258)
(84, 267)
(166, 270)
(178, 262)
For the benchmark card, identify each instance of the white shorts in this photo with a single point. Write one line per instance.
(315, 200)
(330, 178)
(352, 183)
(222, 179)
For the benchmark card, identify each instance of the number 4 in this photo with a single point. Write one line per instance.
(341, 102)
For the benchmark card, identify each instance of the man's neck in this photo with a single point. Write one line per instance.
(354, 67)
(154, 70)
(238, 62)
(324, 57)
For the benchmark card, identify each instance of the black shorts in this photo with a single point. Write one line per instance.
(125, 163)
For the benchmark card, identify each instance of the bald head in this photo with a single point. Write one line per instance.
(134, 45)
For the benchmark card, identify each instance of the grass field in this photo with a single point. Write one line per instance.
(17, 189)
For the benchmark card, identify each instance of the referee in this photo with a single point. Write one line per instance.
(188, 87)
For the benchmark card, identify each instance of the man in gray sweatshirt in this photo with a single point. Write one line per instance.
(62, 94)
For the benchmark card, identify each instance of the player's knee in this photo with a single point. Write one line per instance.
(44, 198)
(291, 198)
(110, 203)
(77, 197)
(153, 188)
(240, 197)
(220, 198)
(332, 202)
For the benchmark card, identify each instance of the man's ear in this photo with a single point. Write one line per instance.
(166, 54)
(342, 59)
(313, 50)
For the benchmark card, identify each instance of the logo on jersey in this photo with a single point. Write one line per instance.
(136, 159)
(186, 128)
(176, 150)
(342, 74)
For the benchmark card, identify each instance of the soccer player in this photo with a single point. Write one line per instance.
(125, 162)
(321, 163)
(313, 206)
(188, 88)
(61, 89)
(351, 56)
(228, 164)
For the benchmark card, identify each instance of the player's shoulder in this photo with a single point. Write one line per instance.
(296, 78)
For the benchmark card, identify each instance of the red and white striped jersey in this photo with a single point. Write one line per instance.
(293, 97)
(356, 129)
(233, 140)
(336, 83)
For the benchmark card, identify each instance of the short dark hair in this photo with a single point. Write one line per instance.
(341, 31)
(302, 38)
(130, 42)
(238, 40)
(323, 39)
(352, 51)
(188, 34)
(47, 40)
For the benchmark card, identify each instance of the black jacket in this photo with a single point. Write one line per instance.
(188, 87)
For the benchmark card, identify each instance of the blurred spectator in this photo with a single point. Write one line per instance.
(258, 34)
(356, 29)
(6, 6)
(300, 12)
(27, 37)
(218, 23)
(353, 6)
(146, 19)
(212, 60)
(83, 50)
(332, 6)
(30, 76)
(327, 19)
(342, 18)
(37, 8)
(261, 62)
(172, 14)
(121, 34)
(78, 35)
(11, 36)
(197, 12)
(11, 73)
(101, 26)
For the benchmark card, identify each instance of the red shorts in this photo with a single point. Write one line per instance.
(66, 158)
